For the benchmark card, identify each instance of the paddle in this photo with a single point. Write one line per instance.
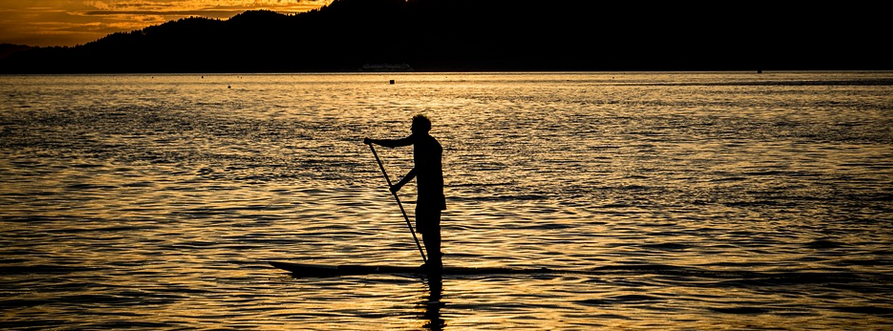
(380, 165)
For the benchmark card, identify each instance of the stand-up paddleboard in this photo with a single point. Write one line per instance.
(322, 270)
(318, 270)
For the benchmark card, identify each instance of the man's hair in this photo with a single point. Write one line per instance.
(421, 122)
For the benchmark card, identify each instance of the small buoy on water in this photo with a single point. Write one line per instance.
(392, 82)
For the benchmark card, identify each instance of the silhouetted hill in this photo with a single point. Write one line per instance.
(481, 35)
(8, 49)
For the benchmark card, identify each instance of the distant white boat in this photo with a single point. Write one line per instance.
(386, 67)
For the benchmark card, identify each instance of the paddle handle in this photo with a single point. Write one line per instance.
(403, 211)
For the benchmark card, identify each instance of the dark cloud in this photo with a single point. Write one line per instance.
(209, 12)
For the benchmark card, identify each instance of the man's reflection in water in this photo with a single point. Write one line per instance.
(433, 304)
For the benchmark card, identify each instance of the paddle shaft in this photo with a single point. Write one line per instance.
(408, 224)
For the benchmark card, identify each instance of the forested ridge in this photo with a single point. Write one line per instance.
(486, 35)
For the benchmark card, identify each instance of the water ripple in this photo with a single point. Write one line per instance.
(679, 200)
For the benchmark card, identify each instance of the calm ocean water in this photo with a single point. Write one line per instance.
(700, 201)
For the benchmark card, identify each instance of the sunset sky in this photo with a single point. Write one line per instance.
(73, 22)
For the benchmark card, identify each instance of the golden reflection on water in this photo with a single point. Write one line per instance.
(156, 201)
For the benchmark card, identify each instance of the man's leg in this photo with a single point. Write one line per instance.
(431, 237)
(432, 246)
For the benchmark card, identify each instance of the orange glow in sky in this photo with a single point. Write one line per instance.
(74, 22)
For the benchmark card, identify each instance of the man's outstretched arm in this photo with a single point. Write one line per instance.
(389, 142)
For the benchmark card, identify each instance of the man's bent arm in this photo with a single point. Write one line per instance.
(409, 176)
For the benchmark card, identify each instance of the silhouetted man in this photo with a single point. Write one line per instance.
(428, 172)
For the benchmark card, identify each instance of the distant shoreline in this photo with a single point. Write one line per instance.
(419, 72)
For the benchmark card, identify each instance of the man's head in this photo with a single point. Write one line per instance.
(420, 124)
